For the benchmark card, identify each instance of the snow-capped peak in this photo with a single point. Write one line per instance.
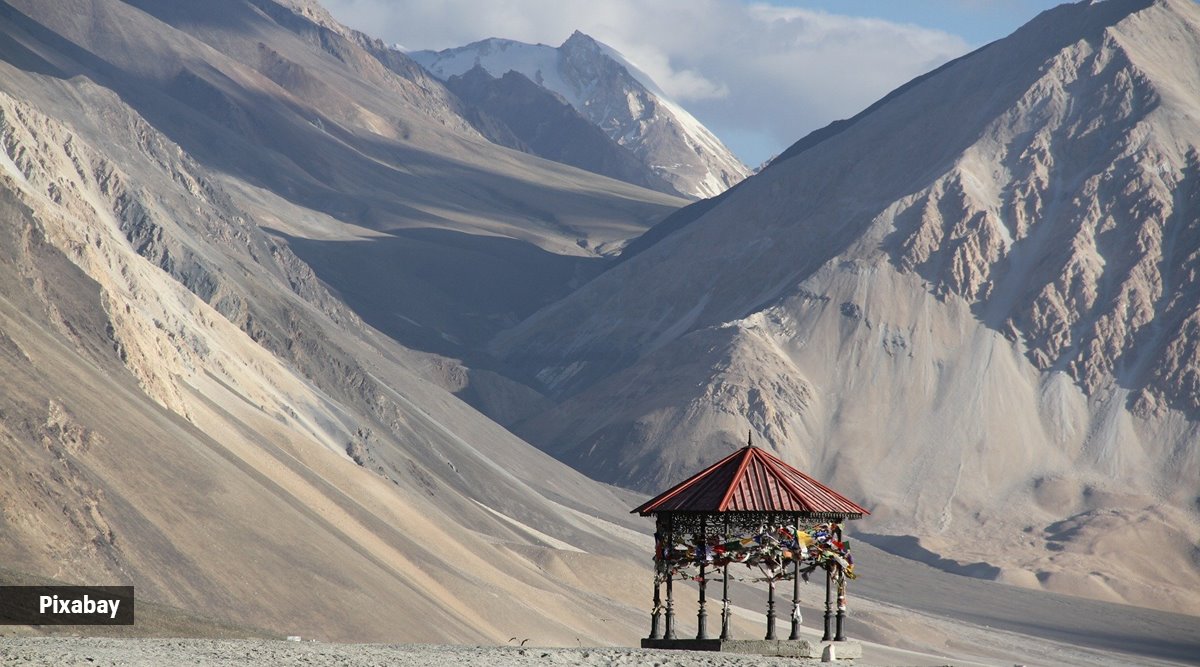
(615, 95)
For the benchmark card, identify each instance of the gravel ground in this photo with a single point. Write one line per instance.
(105, 652)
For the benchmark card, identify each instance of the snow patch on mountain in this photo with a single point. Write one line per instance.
(614, 94)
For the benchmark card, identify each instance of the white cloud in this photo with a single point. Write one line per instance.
(759, 76)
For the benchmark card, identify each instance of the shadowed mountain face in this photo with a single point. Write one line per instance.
(189, 408)
(547, 126)
(973, 305)
(352, 140)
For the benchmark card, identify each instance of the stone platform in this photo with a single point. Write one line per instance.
(787, 648)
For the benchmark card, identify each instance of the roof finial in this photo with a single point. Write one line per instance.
(749, 437)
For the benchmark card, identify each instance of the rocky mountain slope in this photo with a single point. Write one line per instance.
(615, 96)
(189, 408)
(350, 150)
(973, 305)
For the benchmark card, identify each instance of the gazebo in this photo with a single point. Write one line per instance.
(749, 508)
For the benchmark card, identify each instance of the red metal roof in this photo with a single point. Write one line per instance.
(751, 480)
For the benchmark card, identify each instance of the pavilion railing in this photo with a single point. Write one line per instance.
(775, 547)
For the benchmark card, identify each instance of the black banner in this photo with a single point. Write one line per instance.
(66, 605)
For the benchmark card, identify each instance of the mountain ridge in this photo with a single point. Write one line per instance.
(1003, 272)
(615, 96)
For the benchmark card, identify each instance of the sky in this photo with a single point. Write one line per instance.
(759, 74)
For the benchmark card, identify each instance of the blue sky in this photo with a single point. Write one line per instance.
(760, 75)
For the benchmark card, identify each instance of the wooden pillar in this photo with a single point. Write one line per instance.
(670, 633)
(659, 568)
(841, 610)
(796, 586)
(725, 632)
(828, 607)
(702, 613)
(656, 614)
(840, 636)
(770, 521)
(770, 610)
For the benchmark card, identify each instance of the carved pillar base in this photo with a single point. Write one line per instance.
(656, 614)
(841, 612)
(726, 634)
(770, 610)
(828, 607)
(670, 633)
(796, 596)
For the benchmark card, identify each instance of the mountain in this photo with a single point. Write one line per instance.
(615, 96)
(247, 258)
(543, 124)
(191, 407)
(974, 305)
